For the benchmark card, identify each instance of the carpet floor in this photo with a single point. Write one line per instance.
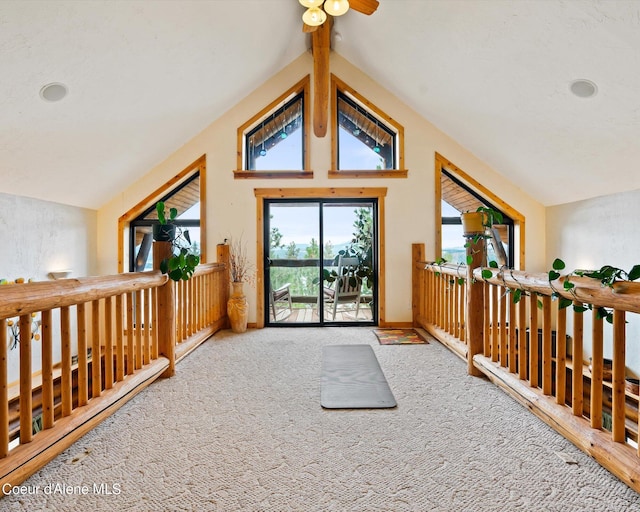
(240, 428)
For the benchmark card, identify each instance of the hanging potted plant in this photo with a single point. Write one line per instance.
(182, 263)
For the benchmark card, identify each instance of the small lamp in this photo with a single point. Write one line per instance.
(314, 17)
(336, 7)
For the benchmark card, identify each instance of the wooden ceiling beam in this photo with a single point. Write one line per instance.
(321, 48)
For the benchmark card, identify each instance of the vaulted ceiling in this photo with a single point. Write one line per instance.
(144, 77)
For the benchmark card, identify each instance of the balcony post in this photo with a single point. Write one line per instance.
(223, 257)
(475, 303)
(166, 320)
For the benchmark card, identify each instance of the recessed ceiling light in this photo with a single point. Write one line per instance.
(583, 88)
(54, 91)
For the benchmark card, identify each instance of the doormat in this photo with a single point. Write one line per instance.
(352, 379)
(399, 337)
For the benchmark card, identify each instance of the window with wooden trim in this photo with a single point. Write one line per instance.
(186, 191)
(185, 198)
(274, 142)
(366, 141)
(458, 198)
(456, 193)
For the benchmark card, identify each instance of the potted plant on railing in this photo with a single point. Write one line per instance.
(182, 263)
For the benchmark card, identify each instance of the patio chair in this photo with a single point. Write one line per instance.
(345, 290)
(279, 296)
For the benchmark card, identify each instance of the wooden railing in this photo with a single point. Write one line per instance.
(533, 348)
(102, 340)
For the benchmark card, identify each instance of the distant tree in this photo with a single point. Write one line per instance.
(328, 250)
(275, 242)
(312, 250)
(293, 252)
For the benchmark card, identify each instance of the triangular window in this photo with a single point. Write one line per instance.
(366, 139)
(274, 142)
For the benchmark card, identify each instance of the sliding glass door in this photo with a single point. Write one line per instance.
(320, 261)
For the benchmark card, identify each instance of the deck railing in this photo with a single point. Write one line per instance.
(534, 349)
(86, 346)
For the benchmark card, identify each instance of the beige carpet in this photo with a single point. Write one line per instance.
(241, 428)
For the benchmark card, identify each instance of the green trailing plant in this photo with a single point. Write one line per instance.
(183, 262)
(607, 275)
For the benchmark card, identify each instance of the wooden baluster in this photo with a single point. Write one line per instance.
(179, 323)
(561, 356)
(486, 291)
(522, 338)
(108, 342)
(513, 361)
(451, 300)
(618, 402)
(454, 307)
(147, 327)
(120, 366)
(4, 392)
(130, 359)
(577, 399)
(26, 417)
(597, 354)
(154, 324)
(429, 295)
(546, 345)
(191, 286)
(67, 383)
(495, 346)
(138, 328)
(503, 326)
(462, 317)
(533, 340)
(48, 418)
(96, 351)
(83, 372)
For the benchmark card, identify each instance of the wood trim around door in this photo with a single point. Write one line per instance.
(261, 194)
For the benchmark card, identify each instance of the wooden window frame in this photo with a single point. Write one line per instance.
(200, 165)
(322, 193)
(518, 219)
(302, 87)
(338, 85)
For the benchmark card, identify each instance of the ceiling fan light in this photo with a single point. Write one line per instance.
(310, 4)
(314, 17)
(336, 7)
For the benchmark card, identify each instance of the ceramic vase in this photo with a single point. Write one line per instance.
(237, 308)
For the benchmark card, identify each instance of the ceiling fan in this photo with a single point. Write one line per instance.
(317, 10)
(318, 19)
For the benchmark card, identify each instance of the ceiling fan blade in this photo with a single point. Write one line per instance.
(364, 6)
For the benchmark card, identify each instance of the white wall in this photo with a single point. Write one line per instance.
(39, 237)
(595, 232)
(409, 202)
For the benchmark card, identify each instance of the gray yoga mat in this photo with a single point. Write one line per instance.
(353, 379)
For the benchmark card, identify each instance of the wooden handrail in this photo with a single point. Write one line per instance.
(623, 295)
(27, 298)
(449, 269)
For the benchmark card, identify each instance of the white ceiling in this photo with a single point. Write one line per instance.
(144, 77)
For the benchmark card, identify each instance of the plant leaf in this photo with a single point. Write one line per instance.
(173, 213)
(579, 309)
(564, 303)
(539, 304)
(568, 285)
(469, 259)
(634, 273)
(553, 275)
(486, 274)
(517, 295)
(558, 264)
(493, 264)
(160, 212)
